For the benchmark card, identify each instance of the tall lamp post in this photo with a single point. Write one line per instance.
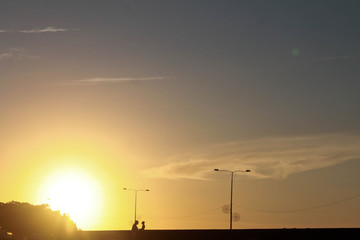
(136, 190)
(231, 192)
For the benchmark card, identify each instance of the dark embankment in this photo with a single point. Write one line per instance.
(250, 234)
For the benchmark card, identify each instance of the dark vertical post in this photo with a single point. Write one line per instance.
(231, 197)
(135, 204)
(231, 190)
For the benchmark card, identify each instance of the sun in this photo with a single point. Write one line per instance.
(75, 193)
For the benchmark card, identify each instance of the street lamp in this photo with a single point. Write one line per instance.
(136, 190)
(231, 192)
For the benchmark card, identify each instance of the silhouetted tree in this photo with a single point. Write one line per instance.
(35, 221)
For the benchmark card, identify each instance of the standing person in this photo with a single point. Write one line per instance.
(134, 226)
(143, 225)
(134, 230)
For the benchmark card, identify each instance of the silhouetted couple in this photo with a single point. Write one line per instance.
(135, 228)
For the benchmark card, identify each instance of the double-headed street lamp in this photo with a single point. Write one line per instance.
(231, 192)
(136, 190)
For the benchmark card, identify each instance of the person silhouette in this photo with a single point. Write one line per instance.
(143, 225)
(134, 226)
(134, 230)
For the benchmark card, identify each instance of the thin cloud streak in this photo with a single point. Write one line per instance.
(15, 53)
(98, 81)
(44, 30)
(267, 158)
(4, 56)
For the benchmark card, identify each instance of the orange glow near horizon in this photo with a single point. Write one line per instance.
(76, 193)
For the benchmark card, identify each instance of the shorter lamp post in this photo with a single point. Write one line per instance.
(136, 190)
(231, 192)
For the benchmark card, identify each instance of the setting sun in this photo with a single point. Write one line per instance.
(75, 193)
(98, 96)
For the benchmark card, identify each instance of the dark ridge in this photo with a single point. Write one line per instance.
(248, 234)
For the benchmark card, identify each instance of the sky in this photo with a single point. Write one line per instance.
(96, 96)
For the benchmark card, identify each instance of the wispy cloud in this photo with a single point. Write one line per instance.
(98, 81)
(44, 30)
(332, 58)
(267, 158)
(48, 29)
(4, 56)
(15, 53)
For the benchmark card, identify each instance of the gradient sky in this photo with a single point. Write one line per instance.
(156, 94)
